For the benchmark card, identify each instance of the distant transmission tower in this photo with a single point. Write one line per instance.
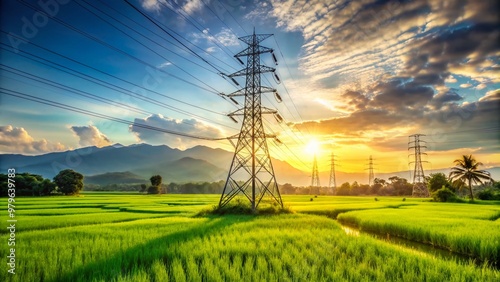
(371, 176)
(315, 174)
(333, 181)
(251, 172)
(419, 186)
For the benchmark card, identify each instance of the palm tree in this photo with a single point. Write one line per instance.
(466, 169)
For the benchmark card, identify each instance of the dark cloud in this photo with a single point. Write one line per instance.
(447, 96)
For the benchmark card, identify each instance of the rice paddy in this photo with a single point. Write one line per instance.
(130, 237)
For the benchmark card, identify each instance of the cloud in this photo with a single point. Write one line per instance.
(192, 6)
(186, 6)
(184, 126)
(450, 79)
(164, 65)
(388, 62)
(18, 140)
(227, 37)
(90, 136)
(481, 86)
(210, 49)
(152, 5)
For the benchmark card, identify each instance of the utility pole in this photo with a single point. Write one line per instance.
(251, 172)
(315, 175)
(333, 181)
(371, 176)
(419, 185)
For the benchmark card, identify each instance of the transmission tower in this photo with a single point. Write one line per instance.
(251, 172)
(314, 189)
(371, 176)
(419, 185)
(333, 181)
(315, 173)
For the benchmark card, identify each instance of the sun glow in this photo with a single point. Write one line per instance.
(312, 147)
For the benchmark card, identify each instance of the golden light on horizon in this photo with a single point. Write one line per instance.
(313, 147)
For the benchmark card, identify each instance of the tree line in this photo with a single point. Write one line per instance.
(66, 182)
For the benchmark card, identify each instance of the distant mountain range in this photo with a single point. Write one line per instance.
(137, 163)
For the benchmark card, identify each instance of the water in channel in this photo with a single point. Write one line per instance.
(417, 247)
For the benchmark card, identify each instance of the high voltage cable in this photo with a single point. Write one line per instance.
(286, 89)
(100, 71)
(71, 89)
(103, 116)
(215, 14)
(173, 37)
(123, 90)
(139, 33)
(153, 32)
(113, 47)
(148, 48)
(78, 92)
(146, 37)
(202, 31)
(219, 47)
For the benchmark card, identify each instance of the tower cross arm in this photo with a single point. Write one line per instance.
(259, 69)
(241, 92)
(257, 37)
(249, 51)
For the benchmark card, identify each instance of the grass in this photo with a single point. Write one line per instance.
(468, 229)
(159, 238)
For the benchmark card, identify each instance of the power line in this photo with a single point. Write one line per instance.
(114, 48)
(103, 116)
(173, 37)
(117, 88)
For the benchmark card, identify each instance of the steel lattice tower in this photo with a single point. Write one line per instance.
(419, 185)
(333, 181)
(315, 174)
(251, 172)
(371, 176)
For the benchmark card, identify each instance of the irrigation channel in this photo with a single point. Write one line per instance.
(418, 247)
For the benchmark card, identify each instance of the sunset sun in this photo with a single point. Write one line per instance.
(313, 147)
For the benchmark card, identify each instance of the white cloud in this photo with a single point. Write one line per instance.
(17, 140)
(211, 49)
(465, 85)
(186, 6)
(192, 6)
(185, 126)
(227, 37)
(152, 5)
(90, 136)
(164, 65)
(450, 79)
(481, 86)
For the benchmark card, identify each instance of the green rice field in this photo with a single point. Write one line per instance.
(132, 237)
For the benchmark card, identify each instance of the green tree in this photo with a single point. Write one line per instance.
(344, 189)
(377, 185)
(44, 188)
(401, 186)
(155, 187)
(467, 170)
(69, 181)
(437, 181)
(156, 180)
(355, 189)
(143, 187)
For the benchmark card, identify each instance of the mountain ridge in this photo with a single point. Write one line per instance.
(199, 163)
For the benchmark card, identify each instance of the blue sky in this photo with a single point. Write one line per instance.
(358, 76)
